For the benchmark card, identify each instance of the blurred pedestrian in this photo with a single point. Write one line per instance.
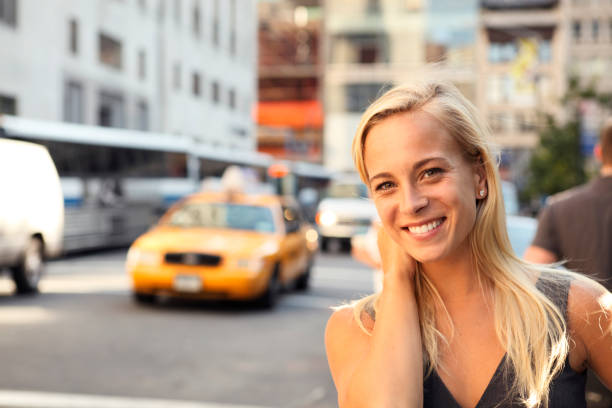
(461, 320)
(364, 248)
(576, 225)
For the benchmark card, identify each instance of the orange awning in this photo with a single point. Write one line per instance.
(292, 114)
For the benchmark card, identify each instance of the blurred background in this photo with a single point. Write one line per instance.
(140, 103)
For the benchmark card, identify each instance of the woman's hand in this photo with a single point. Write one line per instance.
(397, 264)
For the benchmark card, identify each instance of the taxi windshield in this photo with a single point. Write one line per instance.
(223, 215)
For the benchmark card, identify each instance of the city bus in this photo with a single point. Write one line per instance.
(117, 182)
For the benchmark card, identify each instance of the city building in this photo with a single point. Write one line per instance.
(528, 50)
(522, 54)
(289, 111)
(589, 34)
(170, 66)
(371, 45)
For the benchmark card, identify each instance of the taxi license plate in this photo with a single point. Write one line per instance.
(187, 283)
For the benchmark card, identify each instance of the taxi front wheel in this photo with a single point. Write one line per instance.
(303, 281)
(144, 298)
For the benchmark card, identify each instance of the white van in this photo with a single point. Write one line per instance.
(31, 212)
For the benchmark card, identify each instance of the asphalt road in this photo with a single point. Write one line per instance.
(83, 342)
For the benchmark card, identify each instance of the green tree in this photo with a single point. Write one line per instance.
(557, 163)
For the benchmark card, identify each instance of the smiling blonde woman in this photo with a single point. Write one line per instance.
(461, 320)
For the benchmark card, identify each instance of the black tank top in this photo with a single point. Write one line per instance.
(567, 388)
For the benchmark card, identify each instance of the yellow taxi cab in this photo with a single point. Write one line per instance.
(221, 245)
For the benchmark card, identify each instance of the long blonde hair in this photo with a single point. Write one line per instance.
(527, 323)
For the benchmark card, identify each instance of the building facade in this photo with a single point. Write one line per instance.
(290, 114)
(371, 45)
(184, 67)
(528, 50)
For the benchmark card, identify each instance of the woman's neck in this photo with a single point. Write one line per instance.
(454, 277)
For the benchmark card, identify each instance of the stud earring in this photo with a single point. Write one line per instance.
(482, 193)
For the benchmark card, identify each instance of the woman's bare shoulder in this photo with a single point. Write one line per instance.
(343, 323)
(590, 322)
(588, 303)
(345, 341)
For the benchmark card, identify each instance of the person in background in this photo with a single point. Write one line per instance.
(461, 320)
(576, 225)
(364, 248)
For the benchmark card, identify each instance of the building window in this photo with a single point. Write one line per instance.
(216, 91)
(501, 52)
(196, 20)
(109, 51)
(8, 12)
(525, 123)
(142, 64)
(111, 110)
(232, 44)
(360, 96)
(73, 103)
(177, 11)
(595, 30)
(196, 85)
(373, 6)
(545, 51)
(576, 29)
(142, 116)
(359, 48)
(176, 76)
(231, 99)
(215, 23)
(73, 37)
(8, 105)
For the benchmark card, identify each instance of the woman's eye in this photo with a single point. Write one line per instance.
(384, 186)
(432, 172)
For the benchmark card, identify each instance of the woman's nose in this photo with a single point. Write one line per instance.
(413, 201)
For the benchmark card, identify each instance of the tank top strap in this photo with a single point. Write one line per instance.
(555, 286)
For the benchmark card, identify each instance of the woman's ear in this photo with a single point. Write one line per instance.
(480, 179)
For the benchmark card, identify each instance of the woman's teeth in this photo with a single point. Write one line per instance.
(421, 229)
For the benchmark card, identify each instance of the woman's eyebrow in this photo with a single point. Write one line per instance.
(423, 162)
(379, 175)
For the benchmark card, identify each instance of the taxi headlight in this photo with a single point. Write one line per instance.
(252, 264)
(327, 218)
(137, 256)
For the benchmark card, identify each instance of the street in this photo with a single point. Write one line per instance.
(83, 341)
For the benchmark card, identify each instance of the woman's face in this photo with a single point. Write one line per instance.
(424, 189)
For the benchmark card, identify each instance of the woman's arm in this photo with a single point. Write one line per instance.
(590, 321)
(386, 369)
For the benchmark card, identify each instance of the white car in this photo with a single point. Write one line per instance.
(345, 211)
(31, 212)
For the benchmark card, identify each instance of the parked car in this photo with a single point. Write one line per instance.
(219, 245)
(31, 212)
(345, 211)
